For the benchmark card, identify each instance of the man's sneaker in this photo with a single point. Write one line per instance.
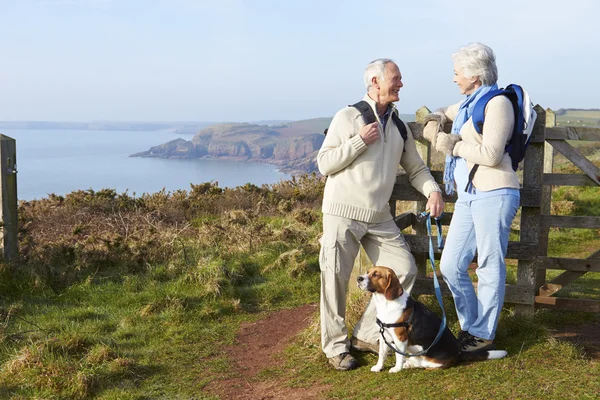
(474, 343)
(360, 345)
(343, 362)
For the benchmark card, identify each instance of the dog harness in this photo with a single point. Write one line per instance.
(436, 285)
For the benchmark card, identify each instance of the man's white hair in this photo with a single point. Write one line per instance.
(376, 68)
(477, 59)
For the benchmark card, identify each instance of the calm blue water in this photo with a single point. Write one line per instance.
(59, 162)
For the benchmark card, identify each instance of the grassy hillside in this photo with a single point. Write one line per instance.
(303, 127)
(577, 117)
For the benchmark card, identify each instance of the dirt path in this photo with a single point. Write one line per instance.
(259, 346)
(586, 335)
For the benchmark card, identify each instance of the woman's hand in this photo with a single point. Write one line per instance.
(446, 142)
(430, 132)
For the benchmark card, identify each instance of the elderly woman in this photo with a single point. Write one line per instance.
(486, 205)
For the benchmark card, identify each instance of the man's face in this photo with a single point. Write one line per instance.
(465, 85)
(389, 87)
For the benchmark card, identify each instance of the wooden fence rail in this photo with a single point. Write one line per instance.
(531, 251)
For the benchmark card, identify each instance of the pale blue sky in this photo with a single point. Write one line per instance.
(235, 60)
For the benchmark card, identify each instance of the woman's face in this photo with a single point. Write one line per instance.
(466, 85)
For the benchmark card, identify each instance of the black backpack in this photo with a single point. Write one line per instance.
(369, 117)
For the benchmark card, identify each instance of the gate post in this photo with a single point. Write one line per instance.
(540, 278)
(424, 150)
(533, 173)
(8, 197)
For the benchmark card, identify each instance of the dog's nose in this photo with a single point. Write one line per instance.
(360, 278)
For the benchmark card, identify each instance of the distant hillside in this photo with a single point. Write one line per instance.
(578, 117)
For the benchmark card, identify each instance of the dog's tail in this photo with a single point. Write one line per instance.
(482, 355)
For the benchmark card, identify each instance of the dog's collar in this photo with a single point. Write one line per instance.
(404, 324)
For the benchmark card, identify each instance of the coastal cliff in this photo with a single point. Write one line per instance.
(291, 146)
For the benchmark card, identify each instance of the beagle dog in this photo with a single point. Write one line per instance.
(416, 327)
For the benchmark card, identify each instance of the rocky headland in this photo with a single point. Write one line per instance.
(291, 146)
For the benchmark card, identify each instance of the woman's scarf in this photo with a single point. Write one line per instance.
(464, 113)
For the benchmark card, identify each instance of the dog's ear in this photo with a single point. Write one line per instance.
(393, 289)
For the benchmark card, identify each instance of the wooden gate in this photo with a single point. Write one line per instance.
(531, 251)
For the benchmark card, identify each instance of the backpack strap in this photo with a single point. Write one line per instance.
(515, 95)
(479, 110)
(366, 111)
(369, 117)
(400, 125)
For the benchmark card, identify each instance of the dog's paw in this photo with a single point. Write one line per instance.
(376, 368)
(395, 369)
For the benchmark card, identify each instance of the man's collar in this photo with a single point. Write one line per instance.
(373, 104)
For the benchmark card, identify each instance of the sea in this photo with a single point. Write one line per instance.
(62, 161)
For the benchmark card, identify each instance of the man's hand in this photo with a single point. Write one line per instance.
(435, 204)
(370, 133)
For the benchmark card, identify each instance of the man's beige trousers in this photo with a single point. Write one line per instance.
(385, 245)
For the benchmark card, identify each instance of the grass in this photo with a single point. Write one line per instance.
(139, 336)
(121, 298)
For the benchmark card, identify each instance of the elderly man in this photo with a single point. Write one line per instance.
(361, 163)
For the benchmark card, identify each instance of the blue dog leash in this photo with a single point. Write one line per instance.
(436, 286)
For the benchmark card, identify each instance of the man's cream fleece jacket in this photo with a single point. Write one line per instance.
(488, 149)
(360, 178)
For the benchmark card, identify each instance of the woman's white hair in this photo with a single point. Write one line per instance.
(376, 68)
(477, 59)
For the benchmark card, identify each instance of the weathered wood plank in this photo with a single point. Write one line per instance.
(8, 197)
(573, 133)
(575, 268)
(569, 264)
(405, 220)
(568, 180)
(562, 280)
(392, 204)
(514, 294)
(559, 303)
(530, 215)
(567, 221)
(546, 198)
(416, 129)
(537, 136)
(424, 150)
(577, 159)
(406, 192)
(446, 218)
(516, 250)
(530, 197)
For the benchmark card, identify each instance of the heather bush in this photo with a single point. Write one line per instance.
(65, 238)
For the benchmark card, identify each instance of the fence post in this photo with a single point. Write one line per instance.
(423, 148)
(8, 197)
(549, 152)
(533, 170)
